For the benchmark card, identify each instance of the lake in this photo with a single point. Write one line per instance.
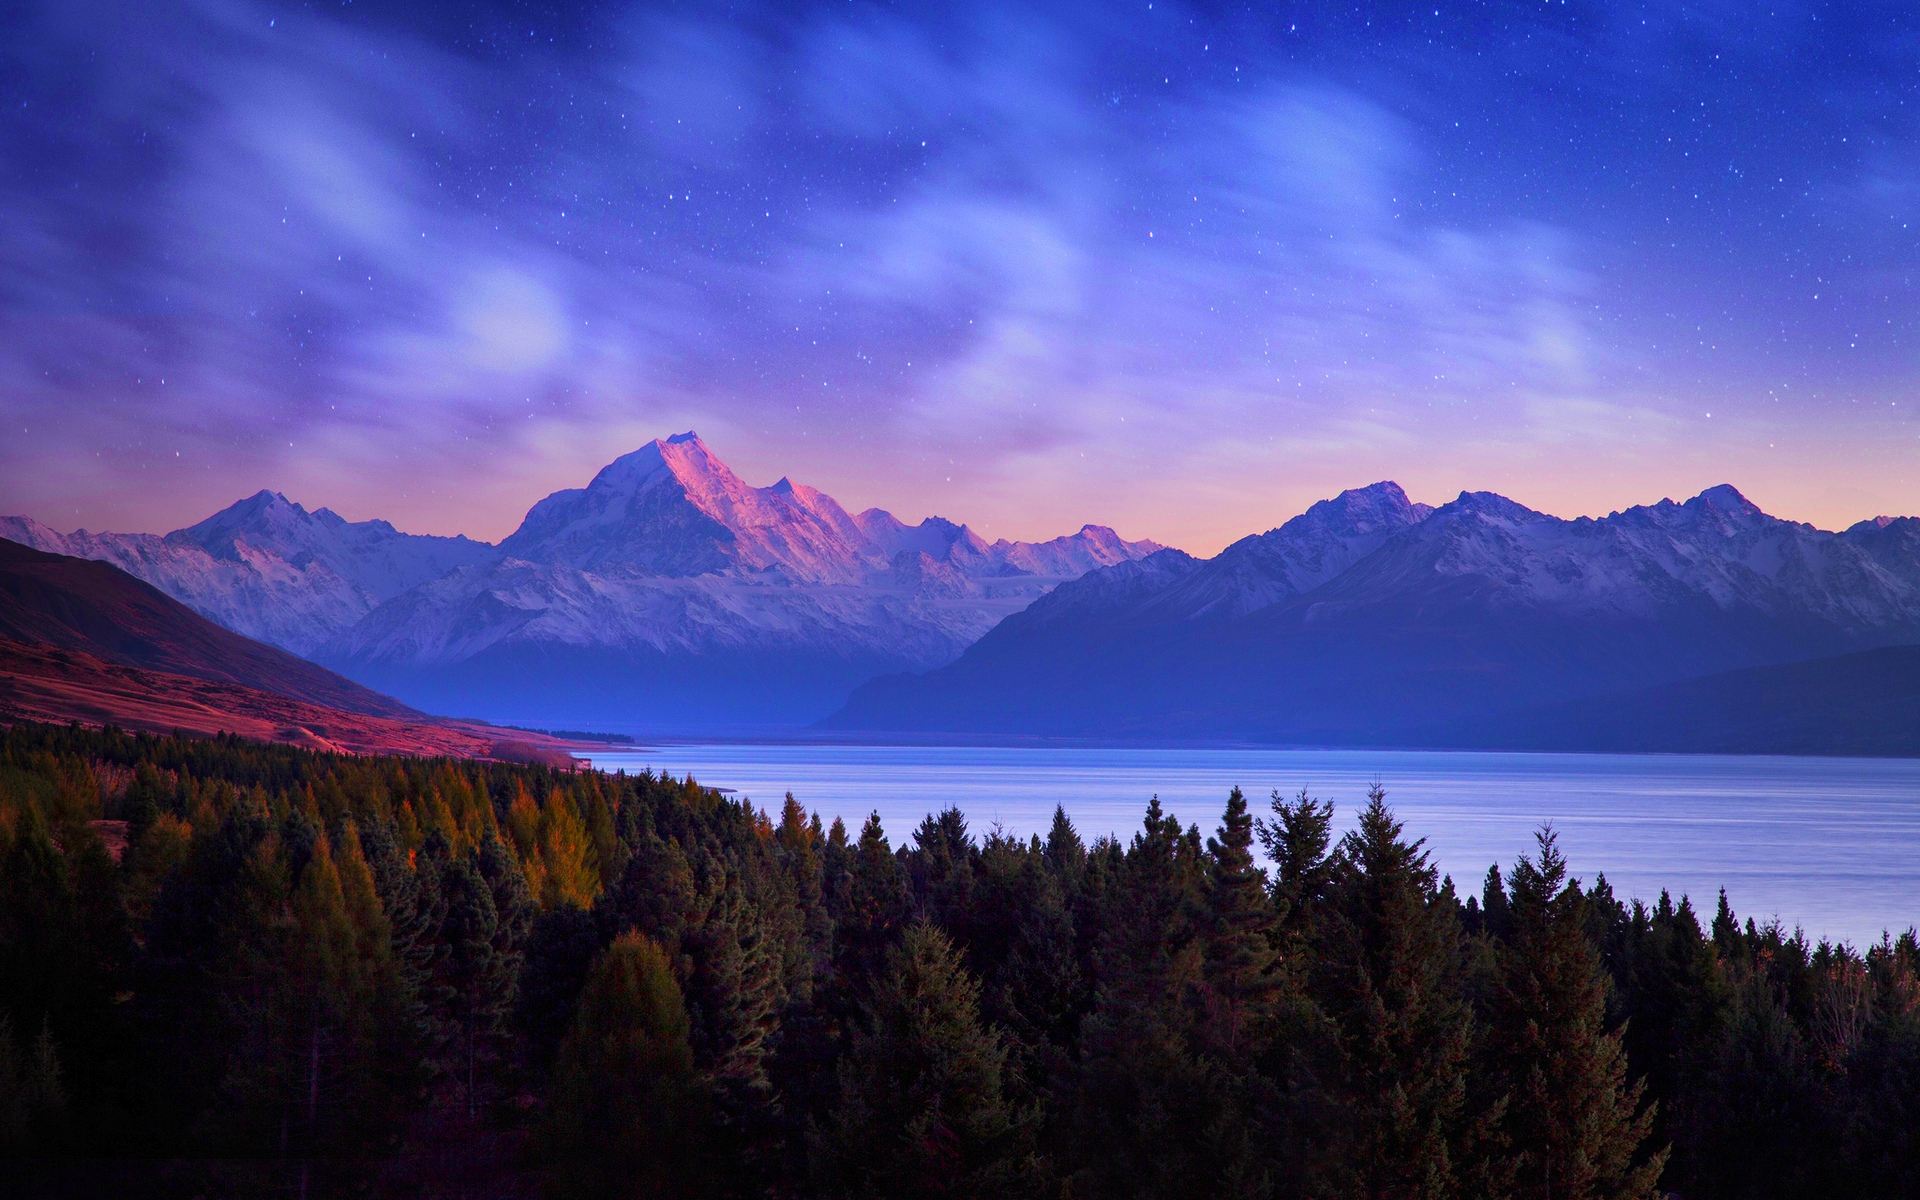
(1828, 844)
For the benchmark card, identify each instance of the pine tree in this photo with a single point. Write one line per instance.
(560, 951)
(732, 985)
(1041, 992)
(1242, 968)
(922, 1106)
(1066, 854)
(1297, 841)
(473, 977)
(387, 1019)
(1496, 915)
(877, 907)
(328, 1035)
(942, 873)
(1575, 1120)
(1144, 1103)
(624, 1117)
(1389, 976)
(33, 1093)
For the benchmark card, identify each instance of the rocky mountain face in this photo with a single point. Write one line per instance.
(672, 592)
(1372, 619)
(667, 592)
(267, 568)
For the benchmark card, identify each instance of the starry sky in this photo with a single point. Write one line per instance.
(1180, 269)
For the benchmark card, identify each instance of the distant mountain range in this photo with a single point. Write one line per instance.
(1370, 619)
(267, 568)
(84, 641)
(670, 596)
(94, 608)
(667, 593)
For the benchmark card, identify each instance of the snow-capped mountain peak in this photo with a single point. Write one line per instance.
(665, 554)
(1358, 512)
(267, 567)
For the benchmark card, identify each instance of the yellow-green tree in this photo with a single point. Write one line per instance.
(625, 1112)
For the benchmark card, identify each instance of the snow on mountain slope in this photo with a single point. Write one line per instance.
(672, 509)
(373, 556)
(1717, 552)
(1377, 618)
(267, 568)
(667, 556)
(1297, 557)
(1251, 574)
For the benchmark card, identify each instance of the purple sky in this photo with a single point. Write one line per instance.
(1180, 270)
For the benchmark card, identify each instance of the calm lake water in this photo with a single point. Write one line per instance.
(1829, 844)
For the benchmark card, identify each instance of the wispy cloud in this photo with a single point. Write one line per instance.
(1024, 266)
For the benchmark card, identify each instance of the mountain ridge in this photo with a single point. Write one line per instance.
(1476, 607)
(686, 595)
(664, 578)
(97, 609)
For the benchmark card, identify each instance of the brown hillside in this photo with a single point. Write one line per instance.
(79, 604)
(47, 683)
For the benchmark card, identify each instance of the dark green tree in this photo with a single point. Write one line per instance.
(1145, 1101)
(1389, 975)
(1242, 971)
(922, 1104)
(1297, 840)
(1575, 1120)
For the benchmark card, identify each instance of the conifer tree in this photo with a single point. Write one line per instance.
(625, 1114)
(566, 855)
(732, 985)
(471, 977)
(1144, 1103)
(943, 867)
(1389, 976)
(1066, 854)
(922, 1106)
(1041, 992)
(33, 1093)
(330, 995)
(608, 858)
(396, 1038)
(1575, 1120)
(876, 908)
(561, 948)
(1496, 916)
(1242, 968)
(799, 841)
(1297, 841)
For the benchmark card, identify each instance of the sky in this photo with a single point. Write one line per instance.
(1178, 269)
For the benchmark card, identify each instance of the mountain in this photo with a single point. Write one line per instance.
(1370, 619)
(40, 682)
(268, 568)
(669, 592)
(1865, 703)
(96, 608)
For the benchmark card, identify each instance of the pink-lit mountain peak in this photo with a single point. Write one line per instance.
(673, 508)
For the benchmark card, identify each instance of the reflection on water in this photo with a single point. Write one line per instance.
(1829, 844)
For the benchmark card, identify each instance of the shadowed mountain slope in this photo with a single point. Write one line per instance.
(267, 568)
(1866, 703)
(670, 593)
(1413, 621)
(96, 608)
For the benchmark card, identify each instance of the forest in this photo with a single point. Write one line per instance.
(234, 969)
